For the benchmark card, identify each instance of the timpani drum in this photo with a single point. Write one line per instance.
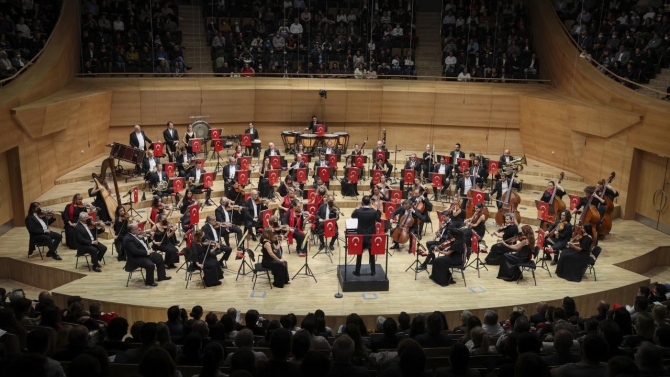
(329, 137)
(256, 147)
(290, 140)
(342, 141)
(308, 142)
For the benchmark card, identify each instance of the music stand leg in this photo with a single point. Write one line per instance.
(325, 250)
(414, 266)
(242, 270)
(308, 271)
(478, 265)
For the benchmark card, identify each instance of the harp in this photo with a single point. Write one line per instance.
(101, 182)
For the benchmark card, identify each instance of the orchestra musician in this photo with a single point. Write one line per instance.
(575, 258)
(383, 186)
(224, 215)
(149, 163)
(327, 211)
(551, 186)
(120, 228)
(385, 162)
(285, 203)
(194, 177)
(321, 190)
(420, 195)
(427, 161)
(441, 236)
(296, 221)
(271, 151)
(139, 256)
(330, 149)
(188, 135)
(271, 259)
(183, 161)
(350, 188)
(164, 240)
(357, 150)
(236, 193)
(158, 177)
(478, 171)
(476, 224)
(610, 192)
(264, 187)
(211, 233)
(312, 125)
(138, 139)
(156, 209)
(204, 257)
(187, 201)
(86, 234)
(255, 205)
(171, 137)
(229, 172)
(501, 188)
(99, 201)
(453, 251)
(238, 152)
(377, 197)
(367, 218)
(456, 154)
(505, 159)
(407, 208)
(463, 186)
(254, 136)
(321, 163)
(298, 163)
(509, 231)
(446, 171)
(558, 235)
(456, 213)
(37, 223)
(70, 216)
(509, 267)
(287, 184)
(411, 164)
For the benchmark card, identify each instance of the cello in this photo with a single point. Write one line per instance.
(401, 232)
(606, 222)
(510, 204)
(558, 205)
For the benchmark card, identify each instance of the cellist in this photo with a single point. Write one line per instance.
(403, 215)
(501, 188)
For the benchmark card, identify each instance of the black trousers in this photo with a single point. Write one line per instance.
(445, 186)
(279, 270)
(255, 225)
(299, 238)
(212, 271)
(225, 234)
(51, 239)
(96, 252)
(557, 245)
(430, 245)
(200, 190)
(118, 243)
(152, 262)
(367, 243)
(226, 250)
(171, 253)
(70, 239)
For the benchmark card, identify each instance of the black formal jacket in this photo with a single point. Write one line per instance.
(180, 159)
(145, 164)
(460, 185)
(455, 157)
(34, 227)
(250, 209)
(481, 172)
(191, 174)
(448, 170)
(502, 160)
(565, 234)
(400, 212)
(417, 165)
(312, 126)
(317, 164)
(82, 237)
(221, 216)
(208, 232)
(266, 154)
(135, 248)
(136, 143)
(154, 176)
(367, 218)
(546, 196)
(321, 213)
(498, 188)
(169, 139)
(226, 172)
(254, 133)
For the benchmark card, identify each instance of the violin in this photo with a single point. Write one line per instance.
(48, 213)
(260, 200)
(514, 239)
(125, 217)
(446, 244)
(239, 189)
(97, 224)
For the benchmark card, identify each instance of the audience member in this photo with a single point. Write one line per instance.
(594, 352)
(343, 351)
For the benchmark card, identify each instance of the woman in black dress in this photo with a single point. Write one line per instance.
(457, 214)
(271, 259)
(204, 257)
(575, 259)
(99, 201)
(121, 219)
(264, 187)
(164, 241)
(452, 256)
(348, 187)
(509, 268)
(476, 224)
(498, 250)
(188, 135)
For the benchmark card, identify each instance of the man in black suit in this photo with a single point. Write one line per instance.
(313, 123)
(225, 216)
(158, 177)
(229, 172)
(87, 241)
(149, 163)
(140, 256)
(183, 158)
(37, 223)
(254, 221)
(212, 233)
(540, 316)
(254, 136)
(381, 148)
(463, 186)
(321, 163)
(407, 209)
(411, 164)
(195, 176)
(271, 151)
(506, 158)
(501, 188)
(367, 217)
(446, 171)
(171, 137)
(478, 172)
(327, 211)
(138, 139)
(330, 149)
(456, 154)
(297, 164)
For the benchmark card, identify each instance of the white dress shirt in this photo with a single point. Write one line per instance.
(231, 174)
(467, 185)
(143, 244)
(140, 139)
(44, 225)
(88, 231)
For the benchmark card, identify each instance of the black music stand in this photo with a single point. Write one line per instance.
(132, 211)
(243, 266)
(308, 271)
(415, 264)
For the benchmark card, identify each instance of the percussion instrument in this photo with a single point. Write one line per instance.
(290, 139)
(127, 153)
(308, 141)
(256, 146)
(342, 141)
(201, 130)
(330, 137)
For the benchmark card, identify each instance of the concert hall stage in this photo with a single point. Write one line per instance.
(630, 254)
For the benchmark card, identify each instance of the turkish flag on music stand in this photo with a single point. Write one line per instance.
(196, 145)
(208, 180)
(244, 162)
(136, 194)
(463, 164)
(329, 228)
(245, 140)
(324, 173)
(376, 174)
(541, 236)
(311, 195)
(247, 195)
(189, 238)
(273, 177)
(215, 133)
(194, 213)
(320, 130)
(379, 228)
(169, 169)
(242, 177)
(92, 216)
(311, 208)
(437, 180)
(275, 162)
(478, 197)
(140, 226)
(352, 175)
(380, 154)
(542, 211)
(378, 244)
(474, 243)
(494, 167)
(359, 161)
(301, 175)
(408, 175)
(332, 160)
(396, 196)
(158, 148)
(574, 201)
(354, 244)
(389, 208)
(177, 185)
(218, 145)
(265, 215)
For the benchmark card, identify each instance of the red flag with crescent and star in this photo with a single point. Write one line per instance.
(378, 244)
(354, 244)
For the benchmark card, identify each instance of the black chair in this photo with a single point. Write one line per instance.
(39, 247)
(76, 264)
(258, 267)
(462, 267)
(192, 268)
(130, 270)
(592, 261)
(529, 266)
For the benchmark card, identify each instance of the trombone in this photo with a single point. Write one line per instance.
(515, 165)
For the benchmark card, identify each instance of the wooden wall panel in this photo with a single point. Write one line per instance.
(5, 190)
(126, 107)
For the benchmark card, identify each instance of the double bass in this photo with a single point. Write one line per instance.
(401, 232)
(606, 222)
(510, 204)
(557, 204)
(590, 215)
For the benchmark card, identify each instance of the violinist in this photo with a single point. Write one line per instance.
(37, 223)
(70, 216)
(120, 227)
(456, 213)
(183, 206)
(523, 252)
(285, 203)
(184, 161)
(377, 198)
(575, 259)
(420, 201)
(278, 229)
(476, 224)
(453, 252)
(412, 164)
(382, 185)
(505, 234)
(238, 152)
(224, 215)
(441, 236)
(501, 188)
(164, 240)
(287, 185)
(446, 171)
(381, 163)
(86, 234)
(407, 211)
(139, 256)
(463, 186)
(418, 186)
(321, 163)
(211, 233)
(229, 172)
(99, 201)
(272, 260)
(327, 211)
(559, 234)
(157, 208)
(255, 205)
(204, 257)
(195, 176)
(296, 221)
(367, 219)
(235, 192)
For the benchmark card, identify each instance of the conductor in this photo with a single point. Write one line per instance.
(367, 217)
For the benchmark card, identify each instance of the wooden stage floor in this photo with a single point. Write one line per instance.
(629, 240)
